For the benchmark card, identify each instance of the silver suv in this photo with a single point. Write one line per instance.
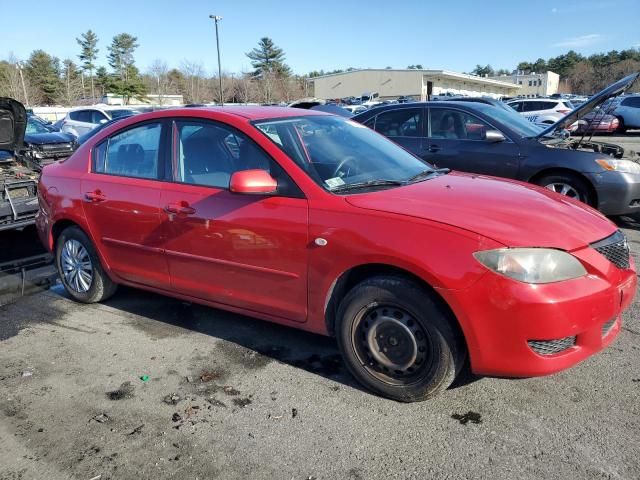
(82, 120)
(627, 109)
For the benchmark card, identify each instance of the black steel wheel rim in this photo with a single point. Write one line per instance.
(391, 344)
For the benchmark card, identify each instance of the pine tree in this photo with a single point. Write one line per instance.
(268, 59)
(43, 72)
(88, 42)
(126, 80)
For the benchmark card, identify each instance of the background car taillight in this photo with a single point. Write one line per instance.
(615, 123)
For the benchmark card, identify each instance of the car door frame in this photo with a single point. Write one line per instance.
(215, 294)
(158, 278)
(428, 146)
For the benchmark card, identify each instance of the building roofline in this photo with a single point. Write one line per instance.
(445, 73)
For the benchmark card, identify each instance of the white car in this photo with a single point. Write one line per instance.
(542, 110)
(355, 109)
(82, 120)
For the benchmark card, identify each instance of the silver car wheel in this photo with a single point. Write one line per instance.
(564, 189)
(76, 266)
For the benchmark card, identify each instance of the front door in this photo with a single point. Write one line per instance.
(121, 200)
(244, 251)
(456, 140)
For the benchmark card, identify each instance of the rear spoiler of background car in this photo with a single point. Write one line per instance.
(13, 123)
(612, 90)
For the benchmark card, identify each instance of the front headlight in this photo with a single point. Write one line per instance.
(532, 265)
(623, 166)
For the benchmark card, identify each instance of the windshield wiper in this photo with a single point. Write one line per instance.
(428, 173)
(371, 183)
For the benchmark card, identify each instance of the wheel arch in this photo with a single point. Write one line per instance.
(356, 274)
(566, 171)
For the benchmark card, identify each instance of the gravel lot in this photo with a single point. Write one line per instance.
(232, 397)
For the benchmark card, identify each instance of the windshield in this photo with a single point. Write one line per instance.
(510, 118)
(35, 126)
(336, 152)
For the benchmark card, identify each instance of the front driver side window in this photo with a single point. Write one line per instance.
(457, 125)
(207, 153)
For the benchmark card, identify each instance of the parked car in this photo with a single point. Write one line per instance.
(18, 185)
(486, 139)
(355, 109)
(312, 221)
(80, 120)
(546, 110)
(43, 145)
(86, 136)
(597, 122)
(627, 110)
(406, 99)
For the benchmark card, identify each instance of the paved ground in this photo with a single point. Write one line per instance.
(232, 397)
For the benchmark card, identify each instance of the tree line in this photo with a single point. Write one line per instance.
(580, 74)
(43, 79)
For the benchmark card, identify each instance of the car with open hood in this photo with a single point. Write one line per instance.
(18, 182)
(481, 138)
(313, 221)
(43, 144)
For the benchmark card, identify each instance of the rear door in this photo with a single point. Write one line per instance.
(456, 140)
(121, 197)
(246, 251)
(405, 126)
(80, 122)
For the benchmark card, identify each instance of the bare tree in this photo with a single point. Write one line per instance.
(194, 74)
(72, 88)
(13, 85)
(159, 70)
(245, 88)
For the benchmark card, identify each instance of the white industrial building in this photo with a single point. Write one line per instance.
(533, 84)
(420, 84)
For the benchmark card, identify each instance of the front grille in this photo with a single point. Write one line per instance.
(615, 249)
(607, 326)
(56, 147)
(549, 347)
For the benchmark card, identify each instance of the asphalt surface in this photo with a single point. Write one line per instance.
(231, 397)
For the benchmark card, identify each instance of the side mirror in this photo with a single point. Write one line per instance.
(253, 182)
(494, 136)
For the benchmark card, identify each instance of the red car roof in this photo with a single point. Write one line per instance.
(254, 112)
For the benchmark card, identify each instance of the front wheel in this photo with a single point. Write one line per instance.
(568, 185)
(397, 340)
(80, 269)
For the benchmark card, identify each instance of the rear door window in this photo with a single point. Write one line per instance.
(404, 122)
(132, 153)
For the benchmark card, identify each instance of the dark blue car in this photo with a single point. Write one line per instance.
(483, 138)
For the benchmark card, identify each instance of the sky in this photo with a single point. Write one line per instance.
(327, 34)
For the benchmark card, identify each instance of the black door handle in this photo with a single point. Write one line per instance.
(433, 148)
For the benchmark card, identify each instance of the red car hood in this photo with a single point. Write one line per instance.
(511, 213)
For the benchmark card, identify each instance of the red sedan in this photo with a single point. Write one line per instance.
(316, 222)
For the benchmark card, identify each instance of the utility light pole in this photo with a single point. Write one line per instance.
(24, 89)
(216, 19)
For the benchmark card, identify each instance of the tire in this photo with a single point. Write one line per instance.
(386, 311)
(69, 247)
(579, 188)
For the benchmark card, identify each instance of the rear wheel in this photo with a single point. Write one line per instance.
(397, 340)
(568, 185)
(80, 269)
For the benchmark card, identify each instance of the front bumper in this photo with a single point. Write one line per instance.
(500, 317)
(618, 193)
